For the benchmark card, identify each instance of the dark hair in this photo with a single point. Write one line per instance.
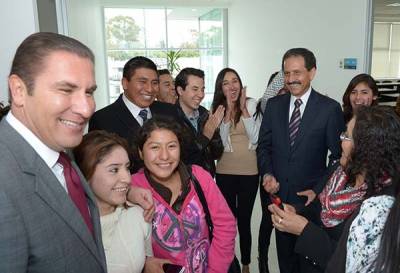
(31, 55)
(219, 97)
(3, 110)
(163, 72)
(94, 147)
(308, 56)
(387, 260)
(376, 152)
(136, 63)
(361, 78)
(156, 123)
(273, 75)
(389, 251)
(181, 80)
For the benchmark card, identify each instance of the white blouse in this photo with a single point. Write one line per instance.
(126, 239)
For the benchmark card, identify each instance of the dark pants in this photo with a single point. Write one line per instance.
(288, 260)
(240, 193)
(264, 235)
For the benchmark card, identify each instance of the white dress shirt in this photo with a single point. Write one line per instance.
(303, 98)
(48, 155)
(134, 109)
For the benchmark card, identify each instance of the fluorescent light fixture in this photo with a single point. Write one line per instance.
(196, 9)
(393, 5)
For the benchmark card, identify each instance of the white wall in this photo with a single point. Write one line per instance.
(17, 21)
(260, 31)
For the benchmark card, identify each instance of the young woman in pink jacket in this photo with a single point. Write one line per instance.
(180, 231)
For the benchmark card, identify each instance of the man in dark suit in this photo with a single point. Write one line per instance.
(127, 114)
(48, 217)
(136, 105)
(297, 131)
(202, 143)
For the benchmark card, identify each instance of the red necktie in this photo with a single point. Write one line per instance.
(75, 189)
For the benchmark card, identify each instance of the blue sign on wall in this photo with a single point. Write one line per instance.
(350, 63)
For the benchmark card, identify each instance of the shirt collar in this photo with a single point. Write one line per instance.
(49, 156)
(133, 108)
(303, 98)
(195, 114)
(166, 193)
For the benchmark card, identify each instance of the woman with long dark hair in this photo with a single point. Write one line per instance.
(347, 187)
(237, 172)
(376, 155)
(361, 91)
(180, 231)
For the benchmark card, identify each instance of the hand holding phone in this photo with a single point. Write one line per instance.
(173, 268)
(276, 200)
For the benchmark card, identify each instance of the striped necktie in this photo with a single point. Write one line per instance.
(295, 120)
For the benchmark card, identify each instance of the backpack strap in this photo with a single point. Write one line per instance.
(203, 201)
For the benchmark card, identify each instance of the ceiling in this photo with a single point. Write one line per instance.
(384, 13)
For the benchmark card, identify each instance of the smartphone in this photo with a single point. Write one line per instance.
(276, 200)
(173, 268)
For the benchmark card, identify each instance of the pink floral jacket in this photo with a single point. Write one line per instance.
(183, 238)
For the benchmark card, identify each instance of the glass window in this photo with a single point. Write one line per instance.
(173, 38)
(386, 50)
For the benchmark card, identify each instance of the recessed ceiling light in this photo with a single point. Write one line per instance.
(393, 5)
(196, 9)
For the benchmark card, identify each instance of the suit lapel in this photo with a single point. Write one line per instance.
(49, 189)
(124, 115)
(94, 212)
(307, 118)
(284, 120)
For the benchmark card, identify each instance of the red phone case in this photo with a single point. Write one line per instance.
(276, 200)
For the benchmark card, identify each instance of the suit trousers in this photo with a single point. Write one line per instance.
(240, 193)
(288, 260)
(264, 235)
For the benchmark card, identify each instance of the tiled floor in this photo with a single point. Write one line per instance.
(255, 225)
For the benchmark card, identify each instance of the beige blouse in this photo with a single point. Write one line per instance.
(242, 161)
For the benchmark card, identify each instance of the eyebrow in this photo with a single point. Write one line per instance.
(156, 142)
(235, 78)
(73, 86)
(147, 79)
(114, 164)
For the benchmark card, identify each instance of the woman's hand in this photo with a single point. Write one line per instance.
(243, 103)
(154, 265)
(230, 108)
(287, 220)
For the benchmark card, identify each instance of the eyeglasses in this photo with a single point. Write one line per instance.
(343, 136)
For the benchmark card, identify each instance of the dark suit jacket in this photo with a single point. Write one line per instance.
(302, 166)
(116, 118)
(197, 148)
(41, 230)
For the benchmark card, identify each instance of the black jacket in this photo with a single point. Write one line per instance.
(197, 148)
(116, 118)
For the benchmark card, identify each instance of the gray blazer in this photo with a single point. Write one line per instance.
(41, 230)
